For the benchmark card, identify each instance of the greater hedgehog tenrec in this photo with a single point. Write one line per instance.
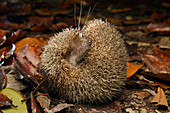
(87, 65)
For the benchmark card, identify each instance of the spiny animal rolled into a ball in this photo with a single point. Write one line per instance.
(87, 65)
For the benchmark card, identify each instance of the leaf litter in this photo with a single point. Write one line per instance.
(25, 28)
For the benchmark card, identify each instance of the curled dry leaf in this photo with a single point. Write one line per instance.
(163, 84)
(14, 78)
(37, 43)
(60, 107)
(59, 25)
(34, 106)
(5, 101)
(26, 62)
(158, 63)
(131, 69)
(47, 21)
(159, 27)
(155, 64)
(142, 94)
(44, 101)
(15, 36)
(160, 98)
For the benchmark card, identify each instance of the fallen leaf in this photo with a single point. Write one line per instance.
(120, 10)
(47, 21)
(164, 42)
(46, 12)
(142, 94)
(60, 107)
(15, 36)
(34, 106)
(5, 101)
(39, 28)
(44, 101)
(26, 62)
(131, 22)
(160, 98)
(157, 63)
(37, 43)
(59, 26)
(154, 64)
(16, 97)
(131, 69)
(157, 17)
(159, 27)
(163, 85)
(14, 78)
(115, 21)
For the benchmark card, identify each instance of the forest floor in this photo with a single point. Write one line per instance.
(26, 26)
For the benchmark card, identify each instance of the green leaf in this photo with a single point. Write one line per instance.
(16, 98)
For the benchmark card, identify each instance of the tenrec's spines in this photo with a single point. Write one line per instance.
(99, 77)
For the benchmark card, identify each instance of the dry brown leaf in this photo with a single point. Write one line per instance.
(37, 43)
(34, 106)
(120, 10)
(162, 85)
(160, 98)
(59, 25)
(157, 16)
(39, 28)
(159, 62)
(5, 101)
(131, 69)
(44, 101)
(164, 42)
(15, 36)
(142, 94)
(60, 107)
(115, 21)
(159, 27)
(46, 12)
(130, 22)
(26, 62)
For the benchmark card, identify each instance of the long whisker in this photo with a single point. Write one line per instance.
(80, 15)
(87, 15)
(91, 12)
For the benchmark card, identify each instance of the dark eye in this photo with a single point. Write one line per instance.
(89, 41)
(69, 52)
